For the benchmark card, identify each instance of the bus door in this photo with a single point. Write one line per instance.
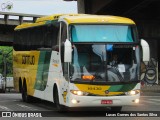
(42, 72)
(65, 69)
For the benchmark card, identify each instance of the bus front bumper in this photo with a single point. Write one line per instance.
(102, 101)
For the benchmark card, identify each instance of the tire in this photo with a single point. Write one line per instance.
(20, 86)
(25, 96)
(116, 109)
(59, 107)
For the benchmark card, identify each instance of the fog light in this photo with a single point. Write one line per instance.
(74, 101)
(136, 101)
(132, 92)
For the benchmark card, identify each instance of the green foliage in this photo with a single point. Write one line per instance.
(6, 51)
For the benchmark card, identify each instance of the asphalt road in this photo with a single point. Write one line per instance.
(12, 102)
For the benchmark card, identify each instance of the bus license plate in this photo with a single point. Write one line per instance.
(106, 101)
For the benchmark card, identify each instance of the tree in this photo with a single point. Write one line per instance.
(6, 51)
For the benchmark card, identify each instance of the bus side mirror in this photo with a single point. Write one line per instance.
(67, 51)
(145, 50)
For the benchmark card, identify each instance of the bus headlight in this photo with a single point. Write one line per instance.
(133, 92)
(79, 93)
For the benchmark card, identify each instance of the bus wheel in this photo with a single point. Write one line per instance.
(20, 86)
(25, 97)
(59, 107)
(118, 108)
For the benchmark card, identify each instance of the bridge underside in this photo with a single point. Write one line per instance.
(7, 25)
(146, 14)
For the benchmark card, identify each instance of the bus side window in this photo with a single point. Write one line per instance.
(21, 38)
(63, 39)
(51, 35)
(36, 39)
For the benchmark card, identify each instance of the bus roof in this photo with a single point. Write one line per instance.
(78, 18)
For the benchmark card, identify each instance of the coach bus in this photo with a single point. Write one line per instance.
(79, 60)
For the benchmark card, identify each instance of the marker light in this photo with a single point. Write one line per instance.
(88, 77)
(79, 93)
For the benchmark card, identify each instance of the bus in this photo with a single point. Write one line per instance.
(79, 60)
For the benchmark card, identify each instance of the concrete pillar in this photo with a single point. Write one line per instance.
(81, 6)
(34, 19)
(6, 18)
(20, 19)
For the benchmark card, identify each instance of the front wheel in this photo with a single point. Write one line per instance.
(59, 107)
(25, 96)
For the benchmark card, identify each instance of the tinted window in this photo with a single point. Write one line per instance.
(102, 33)
(37, 37)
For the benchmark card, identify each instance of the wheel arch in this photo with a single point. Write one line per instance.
(56, 89)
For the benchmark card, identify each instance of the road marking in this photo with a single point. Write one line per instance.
(26, 107)
(5, 108)
(151, 102)
(156, 100)
(148, 101)
(149, 96)
(141, 104)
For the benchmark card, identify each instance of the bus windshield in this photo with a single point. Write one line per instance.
(105, 63)
(102, 33)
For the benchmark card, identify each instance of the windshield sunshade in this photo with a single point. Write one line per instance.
(102, 33)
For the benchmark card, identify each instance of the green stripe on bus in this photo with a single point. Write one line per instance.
(42, 71)
(122, 88)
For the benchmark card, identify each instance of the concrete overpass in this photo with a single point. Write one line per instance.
(8, 21)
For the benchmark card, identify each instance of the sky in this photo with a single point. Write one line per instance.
(39, 7)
